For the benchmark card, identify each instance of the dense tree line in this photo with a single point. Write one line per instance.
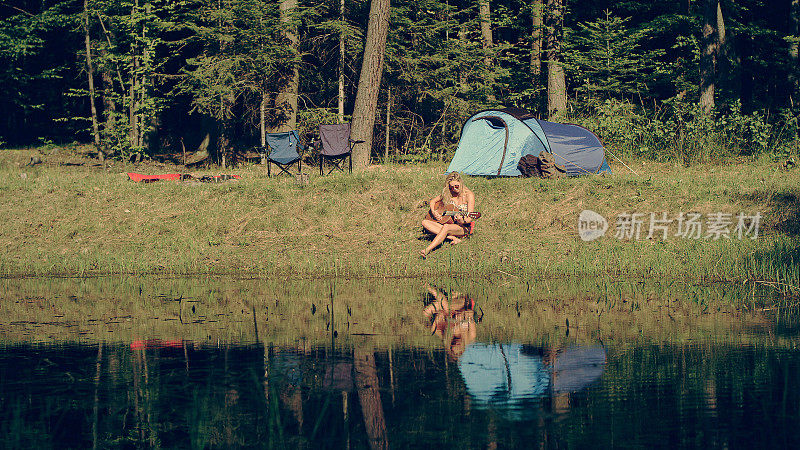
(672, 78)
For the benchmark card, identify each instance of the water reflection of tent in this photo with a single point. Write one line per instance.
(507, 375)
(502, 374)
(577, 367)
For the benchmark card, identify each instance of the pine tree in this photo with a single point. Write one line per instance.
(606, 59)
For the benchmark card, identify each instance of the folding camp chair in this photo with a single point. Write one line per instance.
(282, 149)
(336, 145)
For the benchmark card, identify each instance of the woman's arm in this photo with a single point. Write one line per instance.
(470, 206)
(431, 205)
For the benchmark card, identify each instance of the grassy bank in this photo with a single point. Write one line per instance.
(72, 216)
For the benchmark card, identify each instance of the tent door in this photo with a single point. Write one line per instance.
(497, 122)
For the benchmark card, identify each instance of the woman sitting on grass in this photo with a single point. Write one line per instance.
(459, 198)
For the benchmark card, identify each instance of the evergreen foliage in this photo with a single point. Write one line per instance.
(606, 59)
(172, 71)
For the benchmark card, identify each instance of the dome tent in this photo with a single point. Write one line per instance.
(493, 141)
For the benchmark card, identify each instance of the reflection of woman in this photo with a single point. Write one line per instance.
(453, 320)
(459, 197)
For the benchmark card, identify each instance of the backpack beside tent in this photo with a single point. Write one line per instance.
(493, 141)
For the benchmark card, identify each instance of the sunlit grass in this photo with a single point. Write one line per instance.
(87, 220)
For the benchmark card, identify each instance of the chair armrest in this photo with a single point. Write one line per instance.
(352, 143)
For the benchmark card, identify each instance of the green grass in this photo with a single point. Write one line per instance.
(87, 220)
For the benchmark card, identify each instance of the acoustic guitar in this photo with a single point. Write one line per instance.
(448, 212)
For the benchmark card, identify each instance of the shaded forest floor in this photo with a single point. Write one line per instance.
(72, 215)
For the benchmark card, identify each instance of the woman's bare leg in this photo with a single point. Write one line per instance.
(431, 226)
(447, 230)
(434, 228)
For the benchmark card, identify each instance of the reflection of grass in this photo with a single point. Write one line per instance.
(385, 313)
(82, 220)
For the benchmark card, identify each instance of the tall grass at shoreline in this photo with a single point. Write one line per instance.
(213, 310)
(90, 220)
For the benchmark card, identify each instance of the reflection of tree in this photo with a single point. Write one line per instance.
(705, 394)
(369, 397)
(96, 406)
(143, 398)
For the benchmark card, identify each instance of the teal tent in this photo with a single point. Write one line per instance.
(493, 141)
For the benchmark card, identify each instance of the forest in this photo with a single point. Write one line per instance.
(668, 79)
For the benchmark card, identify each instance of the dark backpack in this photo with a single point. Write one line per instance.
(548, 166)
(529, 166)
(543, 166)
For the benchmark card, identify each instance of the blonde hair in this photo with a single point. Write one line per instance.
(452, 176)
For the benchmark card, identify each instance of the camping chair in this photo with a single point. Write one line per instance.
(336, 145)
(282, 149)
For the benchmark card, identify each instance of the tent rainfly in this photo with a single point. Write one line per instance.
(493, 141)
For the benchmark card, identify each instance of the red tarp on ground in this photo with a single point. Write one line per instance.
(146, 178)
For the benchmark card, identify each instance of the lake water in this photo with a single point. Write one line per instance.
(221, 363)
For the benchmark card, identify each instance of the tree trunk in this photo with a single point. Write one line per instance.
(720, 27)
(794, 28)
(388, 117)
(463, 85)
(536, 40)
(109, 106)
(370, 398)
(556, 83)
(286, 100)
(486, 27)
(369, 82)
(133, 113)
(709, 48)
(226, 102)
(90, 73)
(794, 56)
(149, 122)
(262, 119)
(723, 56)
(488, 43)
(341, 62)
(224, 146)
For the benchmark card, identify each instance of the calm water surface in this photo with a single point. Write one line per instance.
(453, 369)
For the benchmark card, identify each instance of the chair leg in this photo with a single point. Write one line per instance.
(286, 170)
(351, 162)
(269, 173)
(320, 164)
